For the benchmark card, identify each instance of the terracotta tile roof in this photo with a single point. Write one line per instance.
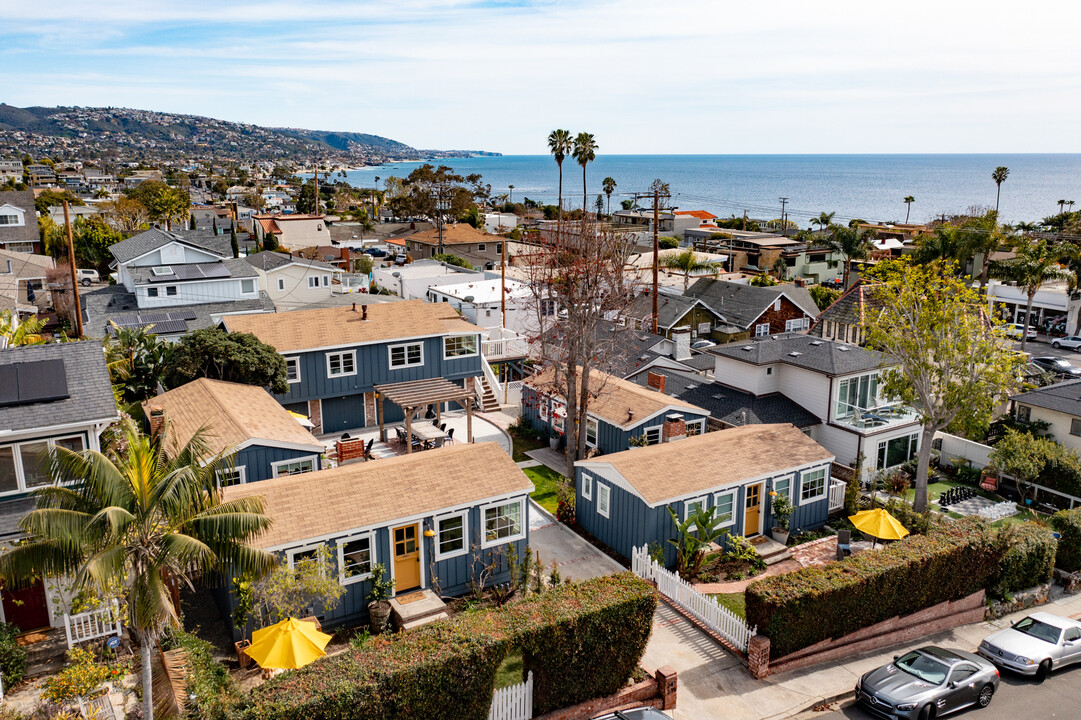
(700, 214)
(231, 414)
(664, 472)
(614, 399)
(459, 234)
(342, 326)
(320, 504)
(268, 224)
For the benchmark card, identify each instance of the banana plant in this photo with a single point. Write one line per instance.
(694, 536)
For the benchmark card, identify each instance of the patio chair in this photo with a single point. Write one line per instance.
(401, 437)
(450, 437)
(443, 427)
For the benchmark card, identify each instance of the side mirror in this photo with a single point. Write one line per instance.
(952, 685)
(896, 657)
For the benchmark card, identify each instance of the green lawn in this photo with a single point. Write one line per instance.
(736, 602)
(940, 486)
(546, 481)
(522, 445)
(510, 672)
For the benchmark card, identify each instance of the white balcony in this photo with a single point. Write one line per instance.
(874, 418)
(502, 344)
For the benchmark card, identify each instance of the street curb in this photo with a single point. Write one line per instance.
(807, 711)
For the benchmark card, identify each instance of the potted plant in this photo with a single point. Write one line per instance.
(378, 597)
(782, 513)
(242, 612)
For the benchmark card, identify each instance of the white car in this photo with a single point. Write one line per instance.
(1035, 645)
(1015, 330)
(1070, 342)
(86, 277)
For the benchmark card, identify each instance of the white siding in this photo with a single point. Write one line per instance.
(739, 375)
(808, 389)
(175, 254)
(1060, 426)
(296, 292)
(843, 444)
(190, 293)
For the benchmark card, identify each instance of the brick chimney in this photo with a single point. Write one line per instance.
(655, 381)
(674, 428)
(157, 419)
(681, 336)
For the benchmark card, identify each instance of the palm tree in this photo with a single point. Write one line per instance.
(510, 195)
(824, 219)
(609, 186)
(1060, 204)
(1035, 263)
(585, 152)
(981, 236)
(999, 176)
(560, 145)
(908, 202)
(852, 243)
(687, 262)
(944, 243)
(139, 519)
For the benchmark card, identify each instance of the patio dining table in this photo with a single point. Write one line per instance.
(426, 432)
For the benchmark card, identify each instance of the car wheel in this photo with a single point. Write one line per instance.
(1056, 345)
(1043, 670)
(85, 283)
(986, 693)
(928, 712)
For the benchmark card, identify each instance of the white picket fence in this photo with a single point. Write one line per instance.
(514, 702)
(837, 494)
(705, 609)
(93, 624)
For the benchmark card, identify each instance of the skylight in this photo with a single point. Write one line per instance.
(160, 271)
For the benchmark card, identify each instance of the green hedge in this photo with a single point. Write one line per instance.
(808, 606)
(580, 641)
(1029, 559)
(1067, 523)
(12, 656)
(210, 687)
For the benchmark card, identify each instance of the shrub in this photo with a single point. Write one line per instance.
(1067, 523)
(80, 677)
(12, 655)
(1029, 559)
(581, 641)
(667, 243)
(210, 688)
(802, 608)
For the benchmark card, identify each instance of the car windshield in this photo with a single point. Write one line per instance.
(1059, 363)
(925, 668)
(1038, 630)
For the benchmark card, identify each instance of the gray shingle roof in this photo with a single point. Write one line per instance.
(28, 232)
(101, 304)
(812, 353)
(154, 238)
(741, 304)
(849, 309)
(267, 260)
(194, 272)
(90, 394)
(670, 308)
(1064, 397)
(733, 406)
(11, 513)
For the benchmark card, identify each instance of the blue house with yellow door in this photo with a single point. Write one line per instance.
(623, 498)
(336, 356)
(433, 519)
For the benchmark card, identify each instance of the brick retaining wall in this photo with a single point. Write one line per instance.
(658, 692)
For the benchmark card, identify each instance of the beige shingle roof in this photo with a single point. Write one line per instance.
(460, 234)
(670, 470)
(614, 398)
(319, 504)
(340, 326)
(232, 414)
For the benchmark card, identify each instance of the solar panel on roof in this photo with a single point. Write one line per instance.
(33, 382)
(9, 385)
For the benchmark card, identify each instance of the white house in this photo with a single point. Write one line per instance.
(1051, 300)
(1059, 405)
(411, 282)
(292, 281)
(500, 222)
(480, 302)
(292, 231)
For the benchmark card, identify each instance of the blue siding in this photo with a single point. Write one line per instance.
(257, 459)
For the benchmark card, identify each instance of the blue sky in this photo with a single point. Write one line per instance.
(644, 77)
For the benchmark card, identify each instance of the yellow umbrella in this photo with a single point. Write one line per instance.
(879, 524)
(287, 645)
(302, 419)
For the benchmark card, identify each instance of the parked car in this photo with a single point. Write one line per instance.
(1015, 330)
(376, 252)
(702, 344)
(1035, 645)
(86, 277)
(926, 683)
(642, 713)
(1057, 366)
(1070, 342)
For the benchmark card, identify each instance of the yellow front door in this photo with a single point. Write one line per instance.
(750, 510)
(406, 558)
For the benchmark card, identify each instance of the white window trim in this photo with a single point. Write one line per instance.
(701, 500)
(342, 579)
(699, 423)
(390, 355)
(803, 480)
(791, 482)
(481, 247)
(604, 506)
(352, 353)
(587, 486)
(464, 515)
(660, 433)
(793, 325)
(275, 465)
(242, 469)
(254, 286)
(293, 552)
(281, 284)
(596, 432)
(485, 542)
(734, 493)
(313, 282)
(296, 359)
(17, 461)
(758, 330)
(476, 348)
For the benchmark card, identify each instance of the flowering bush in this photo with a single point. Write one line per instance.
(82, 676)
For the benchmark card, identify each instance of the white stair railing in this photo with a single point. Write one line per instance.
(493, 383)
(92, 624)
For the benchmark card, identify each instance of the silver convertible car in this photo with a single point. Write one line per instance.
(1035, 644)
(927, 683)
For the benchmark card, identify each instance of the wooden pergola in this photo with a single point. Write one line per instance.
(413, 395)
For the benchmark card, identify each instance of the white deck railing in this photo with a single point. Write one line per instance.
(837, 494)
(493, 383)
(503, 343)
(93, 624)
(705, 609)
(514, 702)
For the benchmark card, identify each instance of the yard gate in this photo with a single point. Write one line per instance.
(92, 624)
(514, 702)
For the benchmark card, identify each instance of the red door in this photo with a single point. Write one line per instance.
(27, 607)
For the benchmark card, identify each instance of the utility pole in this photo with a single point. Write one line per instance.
(441, 206)
(74, 280)
(503, 306)
(744, 220)
(784, 225)
(656, 252)
(316, 189)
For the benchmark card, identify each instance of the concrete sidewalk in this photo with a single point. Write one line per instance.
(713, 684)
(554, 542)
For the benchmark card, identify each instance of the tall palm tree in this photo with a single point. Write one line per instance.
(510, 194)
(1061, 204)
(560, 145)
(1035, 262)
(852, 243)
(140, 520)
(824, 219)
(999, 176)
(908, 203)
(609, 186)
(687, 262)
(585, 152)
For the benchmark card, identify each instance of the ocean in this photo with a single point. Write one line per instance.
(871, 187)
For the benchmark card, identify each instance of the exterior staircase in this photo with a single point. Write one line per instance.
(417, 608)
(771, 551)
(488, 401)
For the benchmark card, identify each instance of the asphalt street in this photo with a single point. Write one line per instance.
(1018, 698)
(1042, 349)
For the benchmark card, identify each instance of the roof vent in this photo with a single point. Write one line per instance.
(747, 348)
(794, 354)
(816, 343)
(842, 349)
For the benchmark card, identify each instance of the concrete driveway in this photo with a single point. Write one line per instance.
(553, 541)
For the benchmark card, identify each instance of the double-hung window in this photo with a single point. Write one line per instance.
(695, 427)
(503, 522)
(450, 534)
(793, 325)
(459, 346)
(23, 465)
(355, 558)
(232, 476)
(406, 355)
(761, 329)
(340, 364)
(783, 486)
(306, 552)
(690, 507)
(725, 502)
(604, 499)
(591, 432)
(587, 486)
(812, 485)
(653, 435)
(292, 369)
(293, 467)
